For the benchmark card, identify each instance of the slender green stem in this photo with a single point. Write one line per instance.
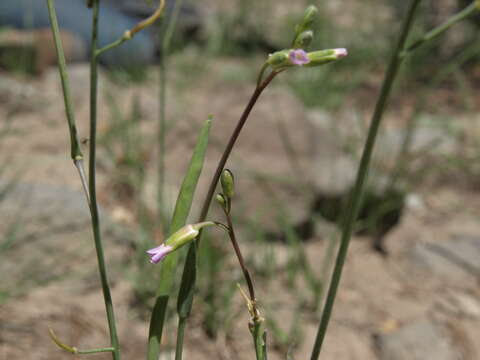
(95, 351)
(231, 143)
(167, 39)
(161, 135)
(259, 339)
(352, 210)
(137, 28)
(73, 349)
(180, 336)
(439, 30)
(92, 184)
(75, 149)
(403, 153)
(110, 46)
(162, 122)
(402, 158)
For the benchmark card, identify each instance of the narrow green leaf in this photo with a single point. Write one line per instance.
(185, 197)
(156, 327)
(180, 214)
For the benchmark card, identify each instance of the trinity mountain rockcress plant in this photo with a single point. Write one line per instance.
(180, 233)
(296, 56)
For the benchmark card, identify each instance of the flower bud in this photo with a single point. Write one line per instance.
(279, 59)
(178, 239)
(221, 200)
(303, 40)
(325, 56)
(308, 19)
(227, 183)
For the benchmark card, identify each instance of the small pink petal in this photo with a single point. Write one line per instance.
(340, 53)
(158, 253)
(298, 57)
(154, 250)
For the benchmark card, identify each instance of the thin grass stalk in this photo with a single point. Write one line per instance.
(355, 200)
(180, 337)
(439, 30)
(162, 121)
(75, 149)
(92, 184)
(74, 350)
(402, 159)
(127, 35)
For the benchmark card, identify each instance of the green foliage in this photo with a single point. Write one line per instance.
(168, 268)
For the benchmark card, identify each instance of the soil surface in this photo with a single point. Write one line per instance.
(419, 302)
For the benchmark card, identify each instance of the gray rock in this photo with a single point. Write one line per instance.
(421, 340)
(432, 135)
(460, 304)
(454, 259)
(45, 235)
(47, 206)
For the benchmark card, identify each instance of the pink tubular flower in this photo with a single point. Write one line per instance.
(298, 57)
(179, 238)
(340, 53)
(158, 253)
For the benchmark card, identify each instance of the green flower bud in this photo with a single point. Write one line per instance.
(322, 57)
(178, 239)
(308, 19)
(227, 183)
(279, 59)
(221, 200)
(186, 234)
(303, 40)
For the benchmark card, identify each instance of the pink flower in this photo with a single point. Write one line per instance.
(158, 253)
(340, 53)
(178, 239)
(298, 57)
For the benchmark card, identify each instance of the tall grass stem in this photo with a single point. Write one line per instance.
(76, 152)
(439, 30)
(92, 184)
(166, 41)
(75, 149)
(355, 200)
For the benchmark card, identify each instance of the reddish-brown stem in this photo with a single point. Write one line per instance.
(241, 261)
(231, 142)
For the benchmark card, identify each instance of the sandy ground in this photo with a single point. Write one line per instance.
(378, 299)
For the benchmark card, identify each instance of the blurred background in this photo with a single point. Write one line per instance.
(411, 283)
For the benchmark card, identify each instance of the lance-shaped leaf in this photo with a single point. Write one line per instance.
(167, 270)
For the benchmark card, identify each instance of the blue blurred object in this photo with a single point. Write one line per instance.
(74, 16)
